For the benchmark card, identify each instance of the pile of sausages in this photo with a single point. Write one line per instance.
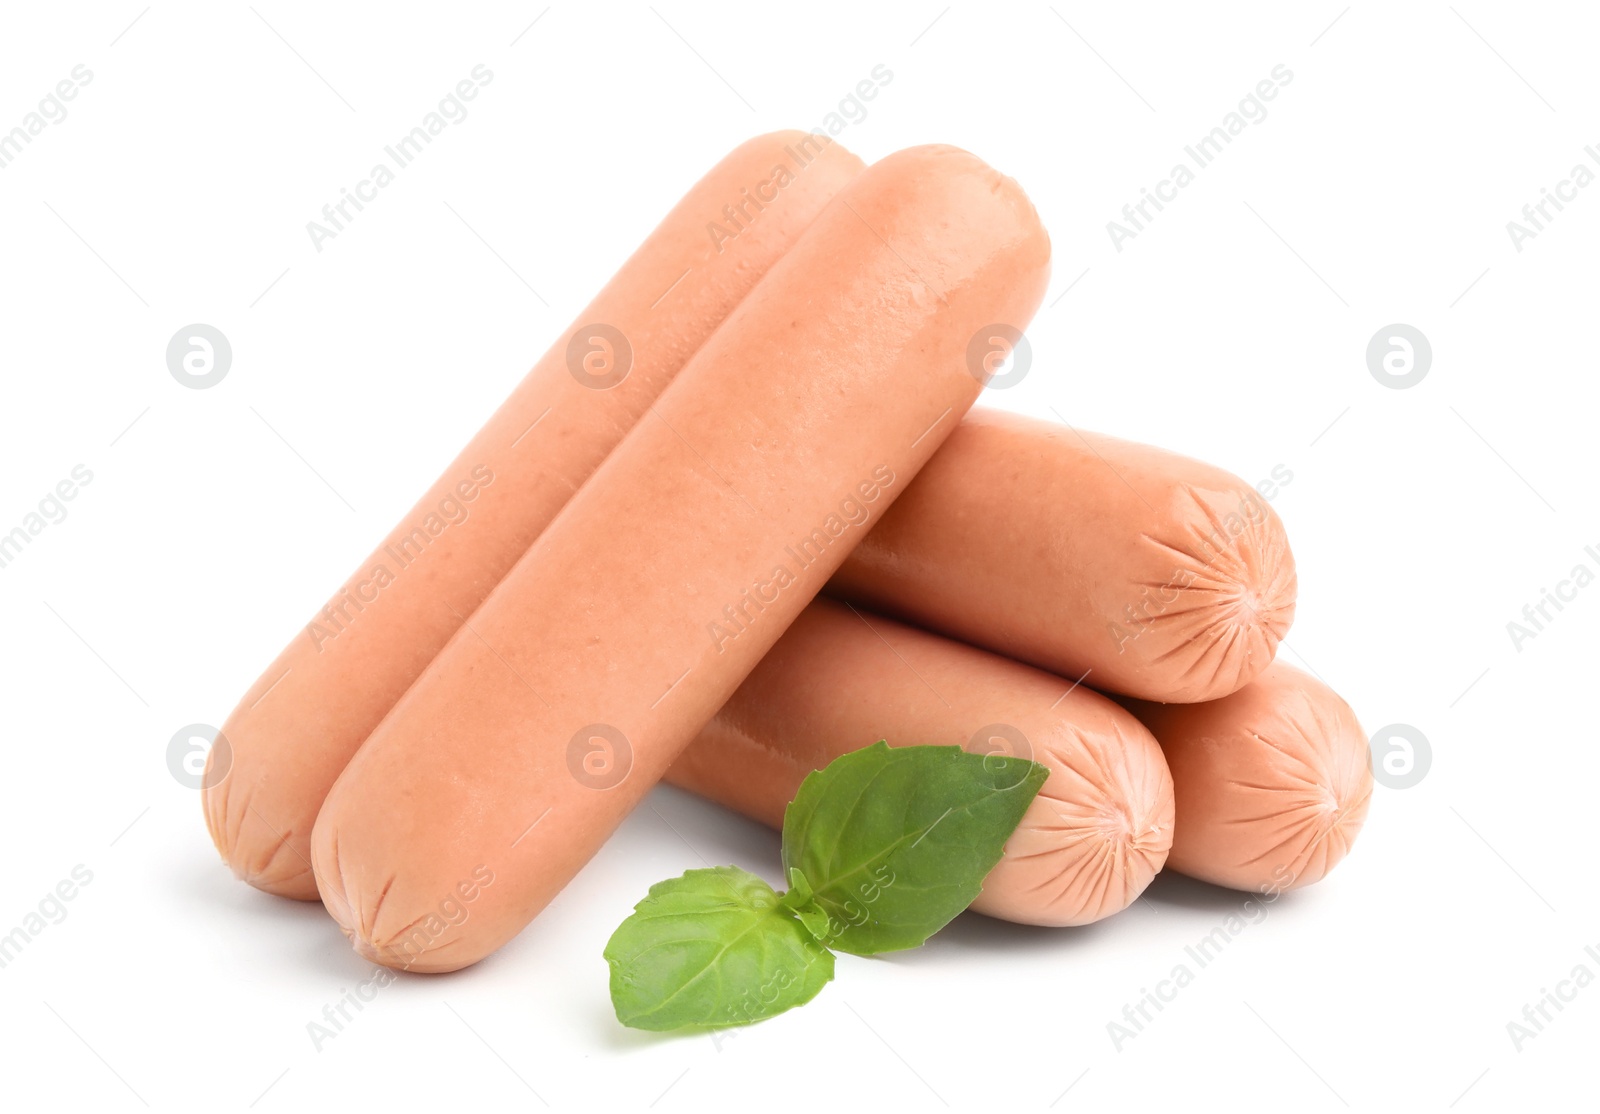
(738, 522)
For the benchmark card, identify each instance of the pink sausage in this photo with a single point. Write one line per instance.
(661, 584)
(300, 723)
(840, 679)
(1272, 782)
(1141, 571)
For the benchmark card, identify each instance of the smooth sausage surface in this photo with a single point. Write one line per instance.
(1140, 571)
(300, 723)
(841, 679)
(664, 580)
(1272, 782)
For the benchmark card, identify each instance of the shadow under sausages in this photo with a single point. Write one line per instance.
(1183, 892)
(273, 928)
(974, 932)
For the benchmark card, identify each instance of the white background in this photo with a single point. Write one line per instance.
(1376, 191)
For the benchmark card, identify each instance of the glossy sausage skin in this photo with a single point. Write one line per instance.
(298, 726)
(841, 679)
(1272, 782)
(664, 580)
(1141, 571)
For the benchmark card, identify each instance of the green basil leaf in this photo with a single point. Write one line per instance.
(895, 841)
(712, 948)
(804, 903)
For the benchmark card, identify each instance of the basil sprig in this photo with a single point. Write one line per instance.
(882, 849)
